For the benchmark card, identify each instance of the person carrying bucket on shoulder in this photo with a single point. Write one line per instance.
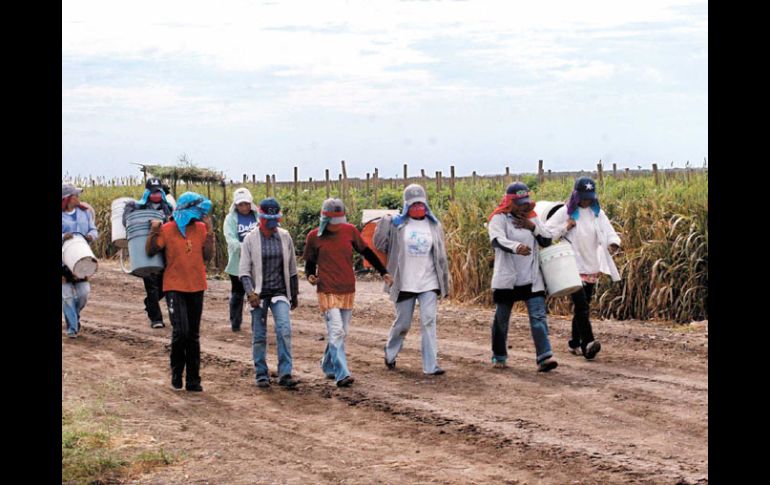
(154, 198)
(268, 270)
(583, 223)
(241, 220)
(188, 244)
(414, 243)
(77, 217)
(515, 232)
(329, 251)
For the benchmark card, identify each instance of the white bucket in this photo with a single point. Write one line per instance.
(78, 257)
(118, 229)
(560, 271)
(544, 209)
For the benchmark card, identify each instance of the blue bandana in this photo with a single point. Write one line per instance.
(401, 218)
(189, 207)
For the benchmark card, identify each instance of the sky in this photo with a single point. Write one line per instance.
(261, 87)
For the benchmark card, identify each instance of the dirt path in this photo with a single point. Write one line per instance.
(638, 414)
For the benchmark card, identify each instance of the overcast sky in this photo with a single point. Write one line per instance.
(259, 87)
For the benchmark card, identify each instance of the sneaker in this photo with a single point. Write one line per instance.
(157, 324)
(263, 383)
(547, 365)
(176, 382)
(194, 388)
(236, 329)
(71, 334)
(592, 349)
(287, 381)
(499, 364)
(438, 372)
(389, 365)
(575, 350)
(346, 382)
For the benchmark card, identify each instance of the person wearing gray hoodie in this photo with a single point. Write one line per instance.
(417, 260)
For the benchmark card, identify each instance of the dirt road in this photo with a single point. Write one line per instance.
(637, 414)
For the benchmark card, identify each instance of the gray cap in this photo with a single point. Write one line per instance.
(333, 205)
(415, 193)
(69, 189)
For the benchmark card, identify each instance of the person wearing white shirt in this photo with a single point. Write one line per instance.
(583, 224)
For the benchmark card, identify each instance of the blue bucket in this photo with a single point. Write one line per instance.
(137, 229)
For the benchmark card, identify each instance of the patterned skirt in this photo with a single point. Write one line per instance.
(343, 301)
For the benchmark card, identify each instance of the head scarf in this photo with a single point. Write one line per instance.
(513, 193)
(332, 212)
(585, 188)
(189, 207)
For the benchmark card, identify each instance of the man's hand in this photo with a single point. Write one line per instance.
(89, 238)
(614, 248)
(253, 299)
(155, 225)
(388, 279)
(294, 302)
(524, 250)
(312, 279)
(570, 223)
(67, 236)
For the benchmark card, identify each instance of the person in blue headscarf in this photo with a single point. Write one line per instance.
(188, 243)
(583, 224)
(154, 198)
(417, 259)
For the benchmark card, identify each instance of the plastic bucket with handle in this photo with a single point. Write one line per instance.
(560, 270)
(118, 229)
(137, 229)
(78, 257)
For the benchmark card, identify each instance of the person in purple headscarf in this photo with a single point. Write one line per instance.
(583, 224)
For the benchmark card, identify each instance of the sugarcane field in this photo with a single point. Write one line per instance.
(387, 242)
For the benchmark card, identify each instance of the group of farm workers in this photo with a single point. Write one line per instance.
(262, 267)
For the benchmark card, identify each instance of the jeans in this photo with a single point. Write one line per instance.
(73, 298)
(280, 310)
(402, 324)
(184, 311)
(153, 286)
(236, 302)
(537, 324)
(334, 361)
(582, 333)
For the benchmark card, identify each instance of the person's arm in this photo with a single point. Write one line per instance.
(230, 231)
(293, 278)
(557, 224)
(382, 234)
(541, 232)
(155, 242)
(244, 267)
(208, 243)
(496, 229)
(613, 239)
(310, 255)
(128, 209)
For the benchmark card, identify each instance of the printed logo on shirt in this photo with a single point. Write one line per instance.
(418, 243)
(243, 230)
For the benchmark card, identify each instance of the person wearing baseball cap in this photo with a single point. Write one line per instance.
(268, 272)
(154, 198)
(584, 224)
(328, 249)
(240, 220)
(516, 233)
(77, 217)
(417, 259)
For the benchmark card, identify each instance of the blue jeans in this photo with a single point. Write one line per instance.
(537, 324)
(334, 361)
(73, 298)
(280, 311)
(402, 324)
